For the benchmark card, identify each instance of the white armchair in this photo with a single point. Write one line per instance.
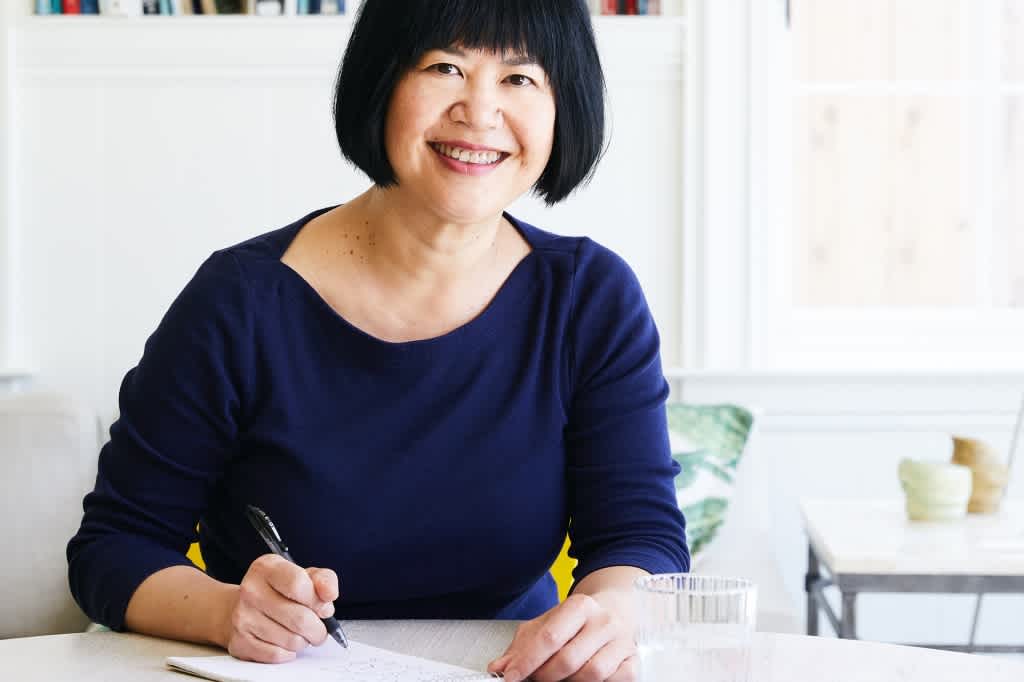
(48, 446)
(745, 546)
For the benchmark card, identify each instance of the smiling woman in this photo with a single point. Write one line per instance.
(420, 389)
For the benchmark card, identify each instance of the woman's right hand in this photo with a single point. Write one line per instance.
(278, 610)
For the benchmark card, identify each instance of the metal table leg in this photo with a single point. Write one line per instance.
(812, 577)
(848, 625)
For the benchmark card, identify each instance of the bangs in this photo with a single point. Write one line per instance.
(530, 28)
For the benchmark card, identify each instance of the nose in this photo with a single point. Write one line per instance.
(479, 108)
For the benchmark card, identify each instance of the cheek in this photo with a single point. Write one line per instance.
(543, 127)
(407, 117)
(541, 138)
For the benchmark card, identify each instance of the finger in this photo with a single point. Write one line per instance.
(498, 664)
(598, 632)
(629, 671)
(247, 647)
(608, 663)
(259, 596)
(325, 584)
(268, 630)
(292, 582)
(560, 626)
(302, 621)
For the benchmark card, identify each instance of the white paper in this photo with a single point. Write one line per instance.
(326, 663)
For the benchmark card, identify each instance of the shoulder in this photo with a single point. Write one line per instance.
(590, 263)
(268, 247)
(225, 281)
(245, 266)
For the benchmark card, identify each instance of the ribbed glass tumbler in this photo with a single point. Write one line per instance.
(695, 627)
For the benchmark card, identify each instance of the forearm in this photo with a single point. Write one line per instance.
(183, 603)
(609, 579)
(612, 587)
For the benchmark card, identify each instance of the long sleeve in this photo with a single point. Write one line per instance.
(621, 493)
(180, 409)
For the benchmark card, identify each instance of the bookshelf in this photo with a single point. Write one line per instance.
(66, 44)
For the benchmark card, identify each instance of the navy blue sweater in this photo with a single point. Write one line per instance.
(437, 477)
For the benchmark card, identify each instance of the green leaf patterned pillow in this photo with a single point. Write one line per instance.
(707, 441)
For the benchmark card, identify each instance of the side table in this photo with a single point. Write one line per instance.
(871, 546)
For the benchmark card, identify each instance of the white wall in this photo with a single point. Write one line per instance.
(145, 144)
(6, 280)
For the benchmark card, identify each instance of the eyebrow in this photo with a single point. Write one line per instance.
(517, 60)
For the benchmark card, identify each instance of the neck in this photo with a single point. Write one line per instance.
(408, 242)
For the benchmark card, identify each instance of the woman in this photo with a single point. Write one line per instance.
(418, 388)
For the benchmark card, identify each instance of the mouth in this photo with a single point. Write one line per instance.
(472, 157)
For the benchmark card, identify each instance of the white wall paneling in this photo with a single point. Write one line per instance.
(6, 279)
(145, 144)
(721, 241)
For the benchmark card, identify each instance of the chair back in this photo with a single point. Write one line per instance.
(48, 447)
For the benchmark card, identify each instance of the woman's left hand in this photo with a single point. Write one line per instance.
(585, 638)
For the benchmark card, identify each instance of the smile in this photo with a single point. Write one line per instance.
(476, 158)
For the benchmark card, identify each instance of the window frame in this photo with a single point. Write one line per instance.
(782, 336)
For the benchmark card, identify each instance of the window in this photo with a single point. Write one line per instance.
(887, 222)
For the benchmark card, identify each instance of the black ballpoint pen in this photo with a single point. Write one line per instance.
(265, 527)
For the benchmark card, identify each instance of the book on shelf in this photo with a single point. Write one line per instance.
(134, 8)
(124, 8)
(269, 8)
(625, 6)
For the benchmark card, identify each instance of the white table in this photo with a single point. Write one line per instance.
(114, 657)
(871, 546)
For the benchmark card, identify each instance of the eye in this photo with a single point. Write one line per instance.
(519, 80)
(445, 69)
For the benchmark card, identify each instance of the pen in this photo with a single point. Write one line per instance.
(265, 527)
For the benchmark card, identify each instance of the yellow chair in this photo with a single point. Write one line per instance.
(195, 556)
(561, 570)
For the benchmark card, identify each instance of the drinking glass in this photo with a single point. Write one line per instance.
(694, 627)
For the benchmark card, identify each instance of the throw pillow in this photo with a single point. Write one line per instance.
(707, 441)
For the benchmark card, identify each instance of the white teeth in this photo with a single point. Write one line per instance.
(467, 156)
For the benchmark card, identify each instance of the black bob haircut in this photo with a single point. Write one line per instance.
(390, 36)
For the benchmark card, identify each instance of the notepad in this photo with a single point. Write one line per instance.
(328, 663)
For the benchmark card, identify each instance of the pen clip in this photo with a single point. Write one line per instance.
(266, 528)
